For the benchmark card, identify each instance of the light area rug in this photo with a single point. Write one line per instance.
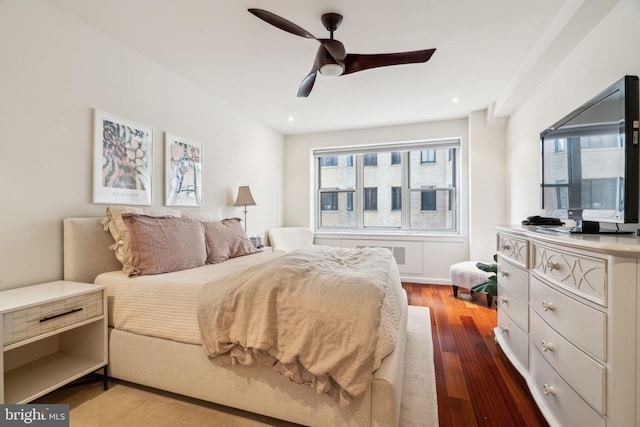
(129, 405)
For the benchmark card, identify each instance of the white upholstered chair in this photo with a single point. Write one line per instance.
(286, 239)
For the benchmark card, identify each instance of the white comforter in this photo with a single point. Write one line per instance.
(314, 314)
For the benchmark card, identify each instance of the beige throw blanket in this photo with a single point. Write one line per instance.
(314, 314)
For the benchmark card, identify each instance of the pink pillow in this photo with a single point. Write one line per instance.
(226, 239)
(164, 244)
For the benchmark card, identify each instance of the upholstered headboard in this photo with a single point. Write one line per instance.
(86, 249)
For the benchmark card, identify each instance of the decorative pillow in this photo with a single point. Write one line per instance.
(114, 223)
(164, 244)
(226, 239)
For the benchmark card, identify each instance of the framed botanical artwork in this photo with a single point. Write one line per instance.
(183, 171)
(122, 161)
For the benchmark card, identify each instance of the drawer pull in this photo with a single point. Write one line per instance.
(548, 306)
(504, 273)
(547, 346)
(504, 329)
(75, 310)
(549, 390)
(504, 300)
(551, 265)
(505, 246)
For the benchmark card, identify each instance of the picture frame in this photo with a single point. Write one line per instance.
(122, 161)
(183, 171)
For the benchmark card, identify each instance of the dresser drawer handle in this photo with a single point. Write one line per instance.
(547, 346)
(504, 273)
(504, 329)
(75, 310)
(505, 246)
(551, 265)
(549, 390)
(548, 306)
(504, 300)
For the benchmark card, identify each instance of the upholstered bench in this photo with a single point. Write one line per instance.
(466, 275)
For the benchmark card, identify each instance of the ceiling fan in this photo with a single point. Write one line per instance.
(332, 58)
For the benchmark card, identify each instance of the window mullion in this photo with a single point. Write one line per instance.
(358, 203)
(406, 194)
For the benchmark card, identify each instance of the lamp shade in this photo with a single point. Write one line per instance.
(244, 197)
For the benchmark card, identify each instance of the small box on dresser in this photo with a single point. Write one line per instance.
(52, 334)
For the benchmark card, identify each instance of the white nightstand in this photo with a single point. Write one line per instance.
(52, 334)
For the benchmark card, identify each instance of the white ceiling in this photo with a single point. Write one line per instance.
(490, 53)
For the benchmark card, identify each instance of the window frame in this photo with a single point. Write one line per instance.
(450, 223)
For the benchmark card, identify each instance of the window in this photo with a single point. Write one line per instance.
(396, 158)
(371, 159)
(396, 198)
(428, 156)
(329, 161)
(335, 193)
(370, 199)
(413, 188)
(329, 201)
(428, 200)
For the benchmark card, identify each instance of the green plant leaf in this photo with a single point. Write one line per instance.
(490, 286)
(489, 268)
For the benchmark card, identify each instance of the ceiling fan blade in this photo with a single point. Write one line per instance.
(357, 62)
(310, 79)
(307, 84)
(281, 23)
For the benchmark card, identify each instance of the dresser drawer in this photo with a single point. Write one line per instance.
(583, 373)
(513, 278)
(517, 309)
(513, 338)
(30, 322)
(566, 405)
(513, 248)
(583, 275)
(584, 326)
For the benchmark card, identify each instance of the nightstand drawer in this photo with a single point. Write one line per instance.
(514, 249)
(583, 373)
(30, 322)
(582, 275)
(584, 326)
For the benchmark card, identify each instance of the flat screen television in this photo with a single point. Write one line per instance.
(590, 161)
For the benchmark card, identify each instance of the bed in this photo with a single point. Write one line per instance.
(171, 362)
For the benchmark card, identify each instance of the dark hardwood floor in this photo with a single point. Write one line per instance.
(476, 384)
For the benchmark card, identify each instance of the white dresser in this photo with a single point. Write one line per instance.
(568, 321)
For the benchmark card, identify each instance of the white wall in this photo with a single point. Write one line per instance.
(606, 54)
(54, 71)
(487, 183)
(482, 146)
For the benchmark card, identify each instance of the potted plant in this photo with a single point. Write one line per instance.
(490, 285)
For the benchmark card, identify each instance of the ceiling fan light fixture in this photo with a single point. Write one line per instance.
(331, 70)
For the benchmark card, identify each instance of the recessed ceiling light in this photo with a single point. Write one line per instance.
(455, 99)
(290, 119)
